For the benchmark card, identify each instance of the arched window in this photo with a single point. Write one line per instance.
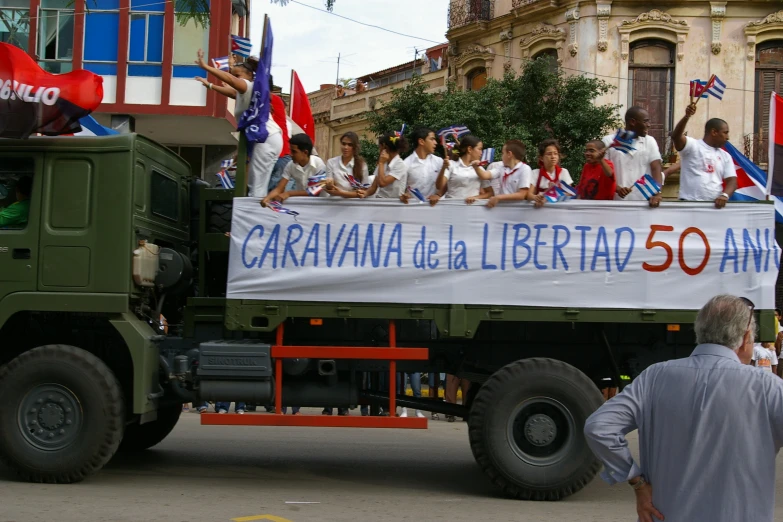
(769, 77)
(651, 85)
(477, 79)
(548, 54)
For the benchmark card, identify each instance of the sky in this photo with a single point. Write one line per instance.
(309, 40)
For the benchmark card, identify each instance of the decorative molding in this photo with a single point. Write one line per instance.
(506, 37)
(652, 22)
(603, 11)
(473, 53)
(542, 33)
(717, 14)
(771, 24)
(572, 17)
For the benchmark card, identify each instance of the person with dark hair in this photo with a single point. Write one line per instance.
(302, 167)
(239, 86)
(462, 180)
(349, 164)
(645, 159)
(706, 170)
(597, 181)
(511, 181)
(16, 214)
(549, 172)
(424, 167)
(391, 174)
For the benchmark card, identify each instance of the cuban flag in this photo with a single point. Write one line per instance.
(712, 87)
(623, 141)
(647, 186)
(240, 46)
(221, 63)
(751, 181)
(227, 164)
(253, 120)
(225, 180)
(417, 193)
(355, 183)
(457, 131)
(487, 156)
(315, 184)
(91, 127)
(561, 192)
(275, 206)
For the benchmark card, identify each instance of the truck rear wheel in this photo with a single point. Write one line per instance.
(139, 437)
(220, 216)
(62, 414)
(526, 426)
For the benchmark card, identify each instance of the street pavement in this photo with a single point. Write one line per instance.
(219, 474)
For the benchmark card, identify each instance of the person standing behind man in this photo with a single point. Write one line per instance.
(645, 159)
(706, 170)
(709, 426)
(278, 114)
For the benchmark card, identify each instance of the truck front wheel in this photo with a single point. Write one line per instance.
(61, 415)
(139, 437)
(526, 426)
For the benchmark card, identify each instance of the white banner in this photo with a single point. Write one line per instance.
(569, 254)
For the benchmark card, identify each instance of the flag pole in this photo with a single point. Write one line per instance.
(695, 102)
(291, 96)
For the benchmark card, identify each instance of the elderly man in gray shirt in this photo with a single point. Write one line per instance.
(709, 427)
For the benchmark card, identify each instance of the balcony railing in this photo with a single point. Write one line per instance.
(464, 12)
(520, 3)
(756, 148)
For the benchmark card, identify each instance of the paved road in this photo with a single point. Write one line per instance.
(216, 474)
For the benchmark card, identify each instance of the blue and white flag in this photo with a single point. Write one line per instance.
(457, 131)
(417, 193)
(560, 192)
(315, 183)
(487, 156)
(253, 120)
(227, 164)
(647, 186)
(225, 180)
(221, 63)
(241, 46)
(712, 87)
(623, 141)
(275, 206)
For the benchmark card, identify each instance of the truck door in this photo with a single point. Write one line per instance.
(20, 216)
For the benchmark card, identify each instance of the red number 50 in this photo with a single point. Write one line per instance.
(650, 244)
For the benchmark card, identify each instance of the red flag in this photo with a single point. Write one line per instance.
(300, 107)
(33, 100)
(776, 143)
(697, 89)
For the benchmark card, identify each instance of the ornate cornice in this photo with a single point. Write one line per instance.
(771, 24)
(774, 18)
(655, 16)
(653, 20)
(542, 32)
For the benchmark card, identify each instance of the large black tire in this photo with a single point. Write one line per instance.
(220, 217)
(526, 429)
(62, 414)
(139, 437)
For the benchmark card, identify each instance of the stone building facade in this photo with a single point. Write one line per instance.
(649, 52)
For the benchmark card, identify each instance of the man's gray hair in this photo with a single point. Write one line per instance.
(723, 320)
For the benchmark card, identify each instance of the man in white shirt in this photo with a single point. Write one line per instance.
(706, 170)
(646, 159)
(302, 167)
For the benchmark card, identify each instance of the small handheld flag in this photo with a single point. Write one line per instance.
(561, 192)
(647, 186)
(221, 63)
(355, 183)
(241, 46)
(703, 89)
(457, 131)
(275, 206)
(416, 192)
(487, 157)
(315, 184)
(717, 88)
(225, 180)
(623, 141)
(228, 164)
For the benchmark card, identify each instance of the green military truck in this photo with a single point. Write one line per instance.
(119, 234)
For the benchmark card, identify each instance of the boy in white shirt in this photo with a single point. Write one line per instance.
(303, 166)
(764, 357)
(706, 170)
(512, 180)
(424, 167)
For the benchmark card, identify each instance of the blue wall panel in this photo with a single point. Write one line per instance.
(145, 70)
(188, 71)
(100, 36)
(104, 69)
(148, 5)
(155, 39)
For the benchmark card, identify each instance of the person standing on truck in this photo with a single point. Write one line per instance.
(302, 167)
(597, 181)
(278, 114)
(511, 180)
(644, 159)
(709, 427)
(424, 167)
(706, 170)
(16, 214)
(391, 174)
(549, 172)
(462, 179)
(239, 86)
(348, 166)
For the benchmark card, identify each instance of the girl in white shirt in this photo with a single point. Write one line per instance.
(462, 180)
(239, 86)
(391, 174)
(349, 163)
(549, 173)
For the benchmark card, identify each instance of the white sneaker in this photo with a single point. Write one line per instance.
(241, 412)
(404, 412)
(435, 416)
(222, 411)
(419, 414)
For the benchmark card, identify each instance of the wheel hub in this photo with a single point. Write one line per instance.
(50, 417)
(540, 430)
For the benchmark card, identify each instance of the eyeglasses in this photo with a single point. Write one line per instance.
(752, 308)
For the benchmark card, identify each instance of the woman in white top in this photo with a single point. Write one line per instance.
(462, 180)
(391, 174)
(349, 164)
(549, 173)
(239, 86)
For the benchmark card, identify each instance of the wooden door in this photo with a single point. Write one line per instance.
(769, 77)
(651, 89)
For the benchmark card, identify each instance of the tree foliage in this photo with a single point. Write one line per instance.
(538, 103)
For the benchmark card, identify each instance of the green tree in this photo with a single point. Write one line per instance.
(538, 103)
